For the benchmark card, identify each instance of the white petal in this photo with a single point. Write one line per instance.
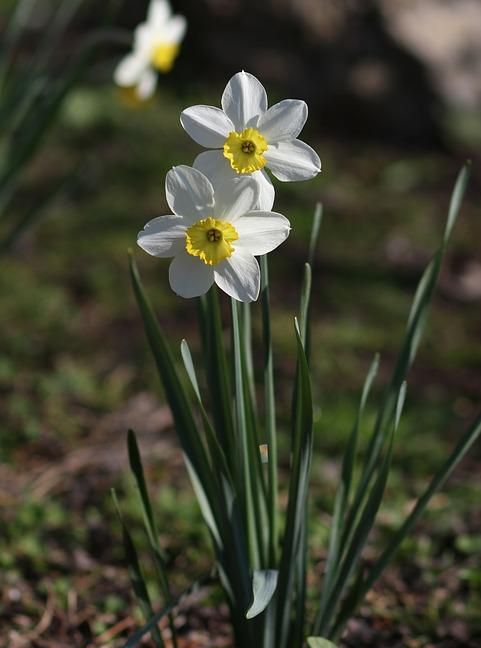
(208, 126)
(147, 84)
(144, 39)
(244, 100)
(267, 192)
(261, 232)
(130, 69)
(290, 161)
(159, 12)
(235, 197)
(189, 193)
(174, 31)
(189, 276)
(215, 166)
(163, 236)
(283, 121)
(239, 276)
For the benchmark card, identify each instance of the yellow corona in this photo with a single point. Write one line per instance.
(245, 150)
(163, 56)
(211, 240)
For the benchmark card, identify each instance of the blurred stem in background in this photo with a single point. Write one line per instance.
(33, 86)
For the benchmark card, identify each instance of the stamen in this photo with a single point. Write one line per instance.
(214, 235)
(248, 147)
(211, 240)
(245, 150)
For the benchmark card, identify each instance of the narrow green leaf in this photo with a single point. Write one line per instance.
(264, 583)
(39, 120)
(415, 327)
(247, 353)
(319, 642)
(305, 304)
(149, 522)
(361, 532)
(270, 417)
(135, 639)
(300, 587)
(195, 454)
(138, 471)
(35, 212)
(218, 373)
(438, 481)
(306, 289)
(457, 199)
(298, 492)
(350, 453)
(136, 575)
(189, 367)
(230, 545)
(219, 461)
(315, 230)
(248, 473)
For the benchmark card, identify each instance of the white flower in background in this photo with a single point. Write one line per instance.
(156, 45)
(249, 137)
(213, 235)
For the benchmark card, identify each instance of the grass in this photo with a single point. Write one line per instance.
(74, 355)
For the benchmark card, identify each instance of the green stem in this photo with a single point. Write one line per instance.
(270, 417)
(248, 470)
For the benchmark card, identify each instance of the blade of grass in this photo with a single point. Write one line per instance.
(362, 530)
(438, 481)
(136, 467)
(247, 353)
(219, 462)
(270, 418)
(298, 491)
(35, 128)
(315, 230)
(135, 640)
(218, 375)
(264, 583)
(244, 443)
(415, 326)
(195, 453)
(233, 560)
(136, 575)
(342, 495)
(304, 306)
(255, 459)
(319, 642)
(36, 211)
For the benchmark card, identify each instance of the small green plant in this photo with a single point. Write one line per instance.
(229, 439)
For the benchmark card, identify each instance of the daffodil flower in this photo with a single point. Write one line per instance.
(249, 137)
(213, 236)
(156, 45)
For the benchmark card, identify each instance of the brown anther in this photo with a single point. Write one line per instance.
(214, 235)
(248, 147)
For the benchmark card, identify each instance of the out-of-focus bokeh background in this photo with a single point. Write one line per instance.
(394, 91)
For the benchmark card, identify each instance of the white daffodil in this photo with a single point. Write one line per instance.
(213, 236)
(249, 137)
(156, 45)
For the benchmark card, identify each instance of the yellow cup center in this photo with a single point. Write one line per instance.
(211, 240)
(163, 56)
(245, 150)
